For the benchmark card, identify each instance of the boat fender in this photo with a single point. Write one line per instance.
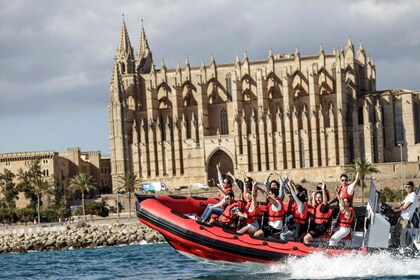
(235, 237)
(264, 243)
(295, 248)
(201, 227)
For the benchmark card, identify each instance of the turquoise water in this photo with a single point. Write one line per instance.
(161, 261)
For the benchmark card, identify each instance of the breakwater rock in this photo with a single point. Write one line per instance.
(79, 236)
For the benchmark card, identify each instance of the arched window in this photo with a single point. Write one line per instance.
(162, 127)
(224, 129)
(229, 87)
(416, 123)
(398, 123)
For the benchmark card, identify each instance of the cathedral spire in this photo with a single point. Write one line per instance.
(124, 46)
(125, 57)
(144, 55)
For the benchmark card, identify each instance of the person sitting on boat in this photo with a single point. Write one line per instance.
(231, 211)
(344, 221)
(276, 213)
(345, 189)
(321, 213)
(251, 210)
(224, 183)
(242, 185)
(299, 210)
(407, 207)
(224, 187)
(276, 184)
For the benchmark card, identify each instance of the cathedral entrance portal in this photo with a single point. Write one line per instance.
(226, 164)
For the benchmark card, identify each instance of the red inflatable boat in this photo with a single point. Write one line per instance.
(174, 218)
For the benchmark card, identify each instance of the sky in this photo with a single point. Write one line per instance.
(56, 56)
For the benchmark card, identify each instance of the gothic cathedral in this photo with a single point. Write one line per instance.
(286, 112)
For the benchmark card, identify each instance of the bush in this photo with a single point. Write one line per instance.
(63, 212)
(48, 216)
(93, 208)
(25, 215)
(389, 195)
(7, 215)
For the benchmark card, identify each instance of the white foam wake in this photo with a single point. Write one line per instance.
(318, 266)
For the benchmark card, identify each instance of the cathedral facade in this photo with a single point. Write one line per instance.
(287, 112)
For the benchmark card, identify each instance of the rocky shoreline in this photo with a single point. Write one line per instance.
(79, 236)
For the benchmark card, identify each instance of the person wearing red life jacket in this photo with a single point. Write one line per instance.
(299, 211)
(276, 214)
(225, 184)
(231, 211)
(251, 210)
(321, 213)
(345, 189)
(224, 187)
(345, 219)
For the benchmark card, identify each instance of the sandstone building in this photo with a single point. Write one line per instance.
(287, 112)
(62, 167)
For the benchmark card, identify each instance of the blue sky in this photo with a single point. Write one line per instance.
(56, 57)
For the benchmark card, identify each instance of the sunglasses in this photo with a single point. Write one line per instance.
(408, 187)
(343, 180)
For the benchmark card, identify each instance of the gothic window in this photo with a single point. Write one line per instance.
(223, 122)
(416, 123)
(349, 115)
(334, 75)
(162, 128)
(188, 127)
(351, 147)
(229, 87)
(122, 68)
(171, 128)
(360, 115)
(371, 115)
(398, 125)
(362, 146)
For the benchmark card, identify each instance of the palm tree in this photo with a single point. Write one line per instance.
(83, 183)
(40, 187)
(129, 183)
(365, 168)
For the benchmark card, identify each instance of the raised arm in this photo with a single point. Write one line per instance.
(292, 187)
(272, 200)
(346, 208)
(324, 194)
(219, 174)
(351, 187)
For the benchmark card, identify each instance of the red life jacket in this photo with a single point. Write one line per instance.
(298, 217)
(343, 192)
(320, 218)
(276, 215)
(228, 217)
(343, 221)
(252, 216)
(226, 190)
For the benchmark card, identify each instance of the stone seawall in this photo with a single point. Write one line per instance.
(78, 236)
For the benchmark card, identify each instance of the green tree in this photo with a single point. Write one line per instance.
(25, 215)
(41, 186)
(365, 168)
(8, 189)
(7, 215)
(83, 183)
(26, 179)
(129, 182)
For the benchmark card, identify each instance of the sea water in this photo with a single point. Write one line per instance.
(161, 261)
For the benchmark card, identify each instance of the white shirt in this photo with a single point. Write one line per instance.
(408, 213)
(279, 223)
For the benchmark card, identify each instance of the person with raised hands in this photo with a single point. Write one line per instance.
(251, 210)
(276, 213)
